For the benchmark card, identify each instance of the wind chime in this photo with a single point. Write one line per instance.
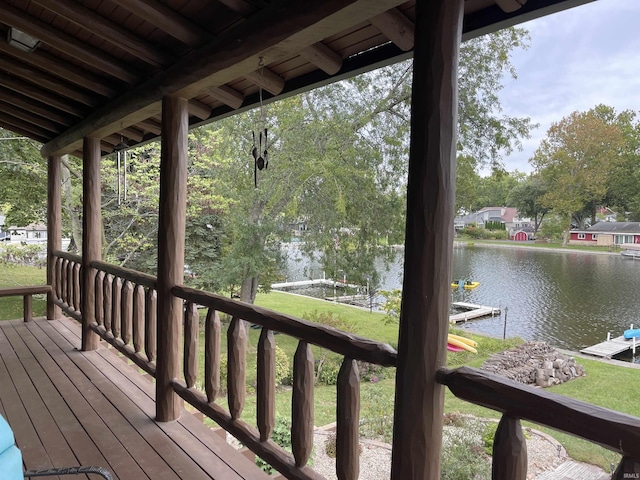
(121, 164)
(259, 149)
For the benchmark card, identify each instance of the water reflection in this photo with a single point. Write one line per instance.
(569, 299)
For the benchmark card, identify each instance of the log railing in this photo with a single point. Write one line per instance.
(26, 293)
(351, 347)
(66, 283)
(613, 430)
(125, 312)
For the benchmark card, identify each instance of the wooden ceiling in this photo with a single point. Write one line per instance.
(101, 67)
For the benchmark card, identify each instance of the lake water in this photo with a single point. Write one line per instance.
(570, 299)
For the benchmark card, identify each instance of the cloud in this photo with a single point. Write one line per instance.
(578, 58)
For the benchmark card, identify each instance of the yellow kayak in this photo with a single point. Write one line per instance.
(463, 345)
(466, 285)
(468, 341)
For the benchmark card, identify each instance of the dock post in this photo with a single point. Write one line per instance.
(608, 336)
(634, 346)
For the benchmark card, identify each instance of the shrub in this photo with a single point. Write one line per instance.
(330, 319)
(283, 367)
(330, 446)
(488, 436)
(376, 415)
(282, 436)
(327, 370)
(463, 458)
(370, 372)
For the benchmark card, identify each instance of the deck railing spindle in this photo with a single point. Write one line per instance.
(108, 291)
(116, 298)
(509, 451)
(190, 344)
(150, 320)
(266, 384)
(212, 333)
(348, 418)
(302, 405)
(236, 366)
(138, 318)
(76, 287)
(99, 296)
(126, 311)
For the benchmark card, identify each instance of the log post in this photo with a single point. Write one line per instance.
(509, 451)
(91, 237)
(171, 228)
(27, 310)
(54, 233)
(426, 290)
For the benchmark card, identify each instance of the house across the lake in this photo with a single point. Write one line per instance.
(606, 234)
(519, 228)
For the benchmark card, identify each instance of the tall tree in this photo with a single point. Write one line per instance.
(526, 196)
(576, 161)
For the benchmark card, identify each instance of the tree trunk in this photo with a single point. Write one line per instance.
(76, 228)
(249, 289)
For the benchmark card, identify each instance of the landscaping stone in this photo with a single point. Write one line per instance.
(534, 363)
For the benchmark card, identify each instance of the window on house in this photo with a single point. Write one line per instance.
(581, 236)
(594, 236)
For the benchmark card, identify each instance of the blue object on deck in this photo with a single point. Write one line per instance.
(629, 334)
(10, 457)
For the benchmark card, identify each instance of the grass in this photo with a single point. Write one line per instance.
(553, 244)
(14, 276)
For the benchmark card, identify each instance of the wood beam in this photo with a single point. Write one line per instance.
(149, 126)
(27, 126)
(166, 20)
(49, 82)
(66, 43)
(37, 93)
(28, 117)
(266, 79)
(323, 57)
(48, 63)
(132, 134)
(396, 27)
(22, 131)
(171, 229)
(277, 33)
(38, 108)
(54, 231)
(113, 33)
(91, 238)
(199, 109)
(227, 95)
(426, 290)
(242, 7)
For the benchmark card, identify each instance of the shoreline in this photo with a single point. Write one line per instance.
(527, 246)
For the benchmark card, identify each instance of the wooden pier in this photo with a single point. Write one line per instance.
(611, 347)
(471, 311)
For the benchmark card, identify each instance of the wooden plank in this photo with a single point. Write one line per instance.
(20, 291)
(109, 375)
(48, 433)
(47, 379)
(125, 449)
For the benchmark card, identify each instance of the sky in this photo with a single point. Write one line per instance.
(577, 59)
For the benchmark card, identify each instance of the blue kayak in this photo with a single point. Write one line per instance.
(629, 334)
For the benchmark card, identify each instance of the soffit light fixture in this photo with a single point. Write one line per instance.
(23, 41)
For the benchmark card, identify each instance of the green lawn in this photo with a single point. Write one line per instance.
(14, 276)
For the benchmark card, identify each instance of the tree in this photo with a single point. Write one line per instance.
(526, 196)
(467, 185)
(576, 161)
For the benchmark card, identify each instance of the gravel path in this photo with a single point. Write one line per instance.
(375, 460)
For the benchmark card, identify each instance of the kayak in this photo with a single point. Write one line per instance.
(458, 343)
(453, 348)
(466, 340)
(467, 285)
(629, 334)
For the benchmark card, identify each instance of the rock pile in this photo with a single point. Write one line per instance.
(534, 363)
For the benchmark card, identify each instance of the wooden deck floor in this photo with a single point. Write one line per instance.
(68, 407)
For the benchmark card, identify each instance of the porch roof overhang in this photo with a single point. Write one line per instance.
(101, 67)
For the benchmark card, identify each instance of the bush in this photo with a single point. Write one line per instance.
(463, 457)
(488, 437)
(330, 319)
(282, 436)
(370, 372)
(326, 371)
(283, 367)
(376, 415)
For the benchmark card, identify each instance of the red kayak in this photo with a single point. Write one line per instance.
(453, 348)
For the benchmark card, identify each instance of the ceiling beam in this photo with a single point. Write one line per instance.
(198, 109)
(66, 43)
(14, 98)
(37, 93)
(150, 126)
(167, 20)
(241, 7)
(396, 27)
(29, 127)
(48, 63)
(21, 131)
(323, 57)
(227, 95)
(265, 78)
(131, 134)
(49, 82)
(28, 117)
(113, 33)
(277, 32)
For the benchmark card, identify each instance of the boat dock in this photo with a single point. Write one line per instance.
(611, 347)
(471, 311)
(326, 282)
